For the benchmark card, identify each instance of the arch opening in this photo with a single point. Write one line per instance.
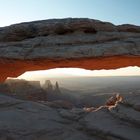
(75, 86)
(66, 75)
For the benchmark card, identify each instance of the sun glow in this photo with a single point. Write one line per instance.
(69, 72)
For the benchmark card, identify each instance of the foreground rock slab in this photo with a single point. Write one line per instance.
(27, 120)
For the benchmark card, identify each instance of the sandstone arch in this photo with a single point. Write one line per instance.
(83, 43)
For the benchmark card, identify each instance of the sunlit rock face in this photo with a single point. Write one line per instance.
(83, 43)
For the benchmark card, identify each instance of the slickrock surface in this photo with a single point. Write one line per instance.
(84, 43)
(27, 120)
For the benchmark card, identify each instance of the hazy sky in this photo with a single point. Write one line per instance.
(116, 11)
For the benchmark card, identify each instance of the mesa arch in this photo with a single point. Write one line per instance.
(71, 42)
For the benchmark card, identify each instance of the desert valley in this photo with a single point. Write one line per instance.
(82, 111)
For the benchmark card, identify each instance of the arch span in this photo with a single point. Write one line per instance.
(82, 43)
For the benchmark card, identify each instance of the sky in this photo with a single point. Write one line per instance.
(115, 11)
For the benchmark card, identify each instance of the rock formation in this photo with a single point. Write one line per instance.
(48, 86)
(53, 92)
(56, 88)
(83, 43)
(33, 91)
(22, 89)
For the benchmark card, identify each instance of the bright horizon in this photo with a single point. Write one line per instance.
(73, 72)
